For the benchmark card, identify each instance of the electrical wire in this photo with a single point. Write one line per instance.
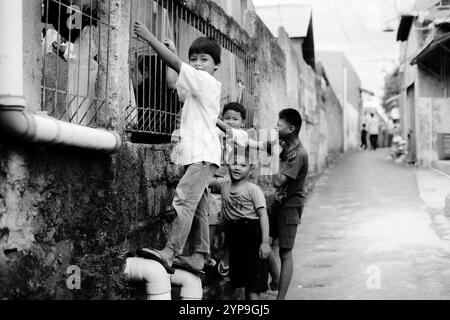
(340, 22)
(364, 30)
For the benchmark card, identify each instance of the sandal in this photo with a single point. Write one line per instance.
(187, 268)
(222, 269)
(152, 254)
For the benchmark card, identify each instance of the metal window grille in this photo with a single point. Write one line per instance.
(72, 31)
(154, 110)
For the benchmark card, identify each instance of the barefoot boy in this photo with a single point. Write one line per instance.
(290, 182)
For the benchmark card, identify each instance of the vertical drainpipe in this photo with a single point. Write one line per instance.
(11, 54)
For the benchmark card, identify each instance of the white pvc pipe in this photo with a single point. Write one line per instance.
(153, 273)
(50, 130)
(191, 285)
(11, 53)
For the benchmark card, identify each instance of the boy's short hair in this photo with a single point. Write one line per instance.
(292, 117)
(235, 107)
(206, 45)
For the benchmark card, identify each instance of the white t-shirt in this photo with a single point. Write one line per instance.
(201, 94)
(233, 138)
(373, 126)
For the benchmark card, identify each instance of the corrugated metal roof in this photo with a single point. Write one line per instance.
(436, 43)
(294, 19)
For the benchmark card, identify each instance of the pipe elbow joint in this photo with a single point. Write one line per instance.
(153, 273)
(15, 123)
(191, 285)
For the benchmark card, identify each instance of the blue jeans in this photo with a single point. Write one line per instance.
(191, 204)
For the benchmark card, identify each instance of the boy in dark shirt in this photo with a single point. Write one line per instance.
(363, 137)
(291, 195)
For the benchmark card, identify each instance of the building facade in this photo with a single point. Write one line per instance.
(424, 101)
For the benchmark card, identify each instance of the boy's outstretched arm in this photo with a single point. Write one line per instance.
(171, 75)
(222, 126)
(253, 144)
(170, 58)
(264, 249)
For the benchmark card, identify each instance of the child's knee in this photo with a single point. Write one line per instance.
(285, 254)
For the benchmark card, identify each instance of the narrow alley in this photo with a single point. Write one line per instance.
(366, 234)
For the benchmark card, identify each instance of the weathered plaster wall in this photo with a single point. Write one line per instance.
(432, 116)
(337, 65)
(61, 207)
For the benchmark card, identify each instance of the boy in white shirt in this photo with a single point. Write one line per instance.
(200, 147)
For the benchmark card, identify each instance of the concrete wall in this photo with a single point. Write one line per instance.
(335, 63)
(431, 118)
(235, 8)
(331, 120)
(61, 206)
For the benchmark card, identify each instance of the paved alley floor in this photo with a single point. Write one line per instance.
(367, 234)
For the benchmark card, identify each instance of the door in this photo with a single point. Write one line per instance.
(411, 131)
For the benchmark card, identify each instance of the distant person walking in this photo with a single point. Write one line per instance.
(373, 127)
(390, 130)
(363, 145)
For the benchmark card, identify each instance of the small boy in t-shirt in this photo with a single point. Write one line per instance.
(233, 117)
(234, 140)
(246, 228)
(200, 148)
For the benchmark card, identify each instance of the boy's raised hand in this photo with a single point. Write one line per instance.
(141, 30)
(170, 45)
(264, 250)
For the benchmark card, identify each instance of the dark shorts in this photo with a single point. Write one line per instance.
(283, 225)
(247, 269)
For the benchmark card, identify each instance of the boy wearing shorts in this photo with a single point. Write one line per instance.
(246, 227)
(291, 194)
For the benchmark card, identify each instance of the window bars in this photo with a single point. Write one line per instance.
(72, 32)
(154, 109)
